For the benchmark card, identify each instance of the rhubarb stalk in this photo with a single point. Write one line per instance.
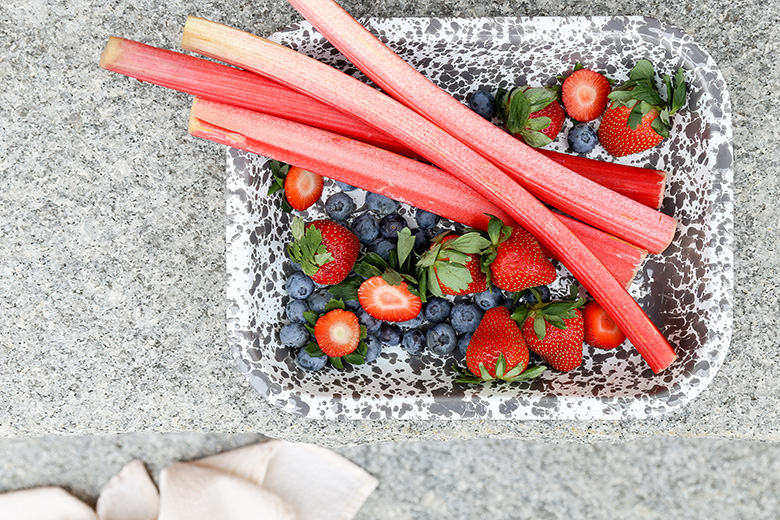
(236, 87)
(380, 171)
(429, 141)
(219, 82)
(548, 180)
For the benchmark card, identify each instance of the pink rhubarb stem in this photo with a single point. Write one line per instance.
(375, 169)
(552, 183)
(219, 82)
(431, 142)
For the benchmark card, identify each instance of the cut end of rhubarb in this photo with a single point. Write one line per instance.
(111, 53)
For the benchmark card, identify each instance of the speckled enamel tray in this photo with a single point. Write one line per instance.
(687, 291)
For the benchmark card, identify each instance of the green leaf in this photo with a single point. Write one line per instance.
(642, 71)
(538, 98)
(680, 93)
(495, 225)
(648, 94)
(500, 365)
(298, 227)
(366, 270)
(314, 350)
(454, 276)
(620, 95)
(540, 326)
(660, 127)
(423, 287)
(334, 304)
(354, 359)
(323, 258)
(535, 139)
(362, 348)
(469, 243)
(311, 317)
(635, 118)
(336, 362)
(538, 123)
(484, 373)
(405, 245)
(519, 110)
(392, 277)
(347, 289)
(450, 256)
(529, 373)
(433, 283)
(555, 321)
(375, 260)
(520, 315)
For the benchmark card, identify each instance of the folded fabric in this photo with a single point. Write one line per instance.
(45, 503)
(273, 480)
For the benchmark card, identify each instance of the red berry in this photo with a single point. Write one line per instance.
(584, 94)
(619, 139)
(388, 302)
(337, 332)
(600, 331)
(302, 188)
(497, 334)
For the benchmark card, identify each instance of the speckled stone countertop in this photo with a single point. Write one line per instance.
(112, 265)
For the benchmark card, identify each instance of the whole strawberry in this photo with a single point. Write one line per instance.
(497, 350)
(554, 331)
(452, 264)
(515, 260)
(637, 118)
(327, 251)
(531, 114)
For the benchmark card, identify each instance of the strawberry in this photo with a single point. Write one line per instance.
(531, 114)
(554, 331)
(388, 302)
(337, 333)
(452, 264)
(302, 188)
(515, 260)
(584, 94)
(326, 250)
(600, 331)
(497, 336)
(637, 118)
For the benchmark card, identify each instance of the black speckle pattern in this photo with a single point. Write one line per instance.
(687, 291)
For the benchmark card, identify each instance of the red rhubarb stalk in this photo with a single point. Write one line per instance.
(644, 185)
(394, 176)
(375, 108)
(548, 180)
(219, 82)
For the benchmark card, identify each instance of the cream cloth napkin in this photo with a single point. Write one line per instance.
(274, 480)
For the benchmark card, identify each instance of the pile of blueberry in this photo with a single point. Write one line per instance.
(443, 327)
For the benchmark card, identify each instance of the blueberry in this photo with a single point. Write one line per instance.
(295, 310)
(463, 343)
(299, 286)
(421, 242)
(374, 348)
(381, 204)
(483, 103)
(391, 224)
(319, 299)
(352, 304)
(582, 138)
(339, 206)
(365, 227)
(414, 341)
(529, 298)
(390, 334)
(294, 335)
(413, 323)
(465, 317)
(344, 186)
(372, 324)
(309, 362)
(436, 310)
(441, 339)
(426, 219)
(382, 247)
(489, 299)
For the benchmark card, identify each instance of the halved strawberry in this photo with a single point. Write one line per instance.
(337, 333)
(584, 94)
(302, 188)
(600, 331)
(388, 302)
